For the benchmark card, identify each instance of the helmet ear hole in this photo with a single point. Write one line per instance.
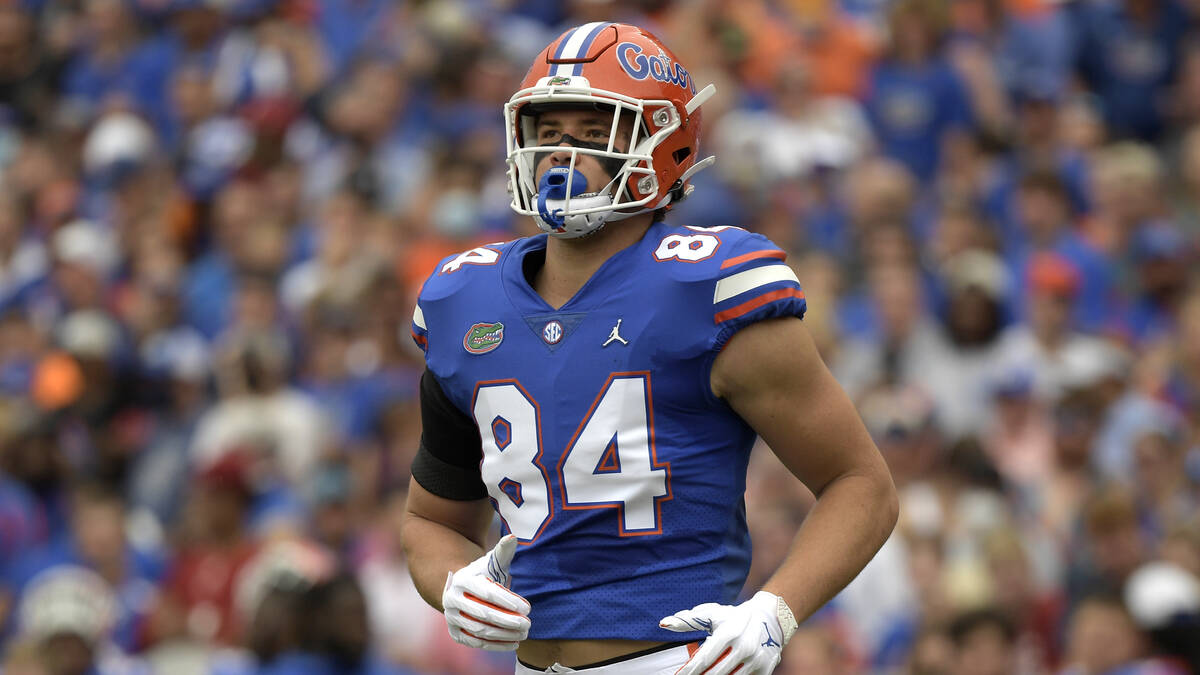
(681, 155)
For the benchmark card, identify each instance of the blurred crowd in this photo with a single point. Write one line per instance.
(215, 216)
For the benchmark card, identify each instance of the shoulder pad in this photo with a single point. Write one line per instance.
(741, 276)
(454, 272)
(452, 275)
(702, 253)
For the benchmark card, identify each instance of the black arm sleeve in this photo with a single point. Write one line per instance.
(447, 463)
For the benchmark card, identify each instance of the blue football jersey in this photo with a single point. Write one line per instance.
(604, 449)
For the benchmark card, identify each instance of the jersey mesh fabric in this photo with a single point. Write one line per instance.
(672, 532)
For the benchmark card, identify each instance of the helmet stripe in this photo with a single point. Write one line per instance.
(575, 45)
(562, 47)
(587, 44)
(562, 44)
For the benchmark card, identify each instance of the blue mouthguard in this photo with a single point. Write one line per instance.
(553, 185)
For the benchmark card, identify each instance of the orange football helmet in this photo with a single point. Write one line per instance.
(617, 67)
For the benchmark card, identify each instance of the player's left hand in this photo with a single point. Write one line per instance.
(746, 638)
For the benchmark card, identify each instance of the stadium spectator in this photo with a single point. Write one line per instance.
(28, 75)
(99, 72)
(66, 617)
(1128, 53)
(915, 99)
(98, 541)
(1045, 346)
(1102, 638)
(343, 634)
(1036, 612)
(932, 654)
(985, 643)
(198, 596)
(1044, 225)
(978, 286)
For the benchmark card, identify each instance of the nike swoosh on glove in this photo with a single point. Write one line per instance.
(747, 639)
(480, 610)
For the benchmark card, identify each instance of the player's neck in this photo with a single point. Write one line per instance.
(571, 262)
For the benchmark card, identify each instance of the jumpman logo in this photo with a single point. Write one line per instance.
(770, 640)
(615, 335)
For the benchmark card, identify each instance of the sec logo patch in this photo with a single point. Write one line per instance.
(552, 332)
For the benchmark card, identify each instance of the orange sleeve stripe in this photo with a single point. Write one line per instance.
(746, 257)
(751, 305)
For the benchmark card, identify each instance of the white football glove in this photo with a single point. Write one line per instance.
(746, 638)
(480, 610)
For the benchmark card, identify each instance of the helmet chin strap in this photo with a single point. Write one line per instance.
(576, 224)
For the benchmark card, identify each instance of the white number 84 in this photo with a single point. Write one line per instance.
(610, 462)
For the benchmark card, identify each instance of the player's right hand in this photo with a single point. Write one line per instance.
(735, 643)
(480, 610)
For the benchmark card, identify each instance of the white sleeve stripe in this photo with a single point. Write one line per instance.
(741, 282)
(419, 318)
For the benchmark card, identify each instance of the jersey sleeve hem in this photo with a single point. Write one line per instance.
(772, 305)
(762, 292)
(420, 333)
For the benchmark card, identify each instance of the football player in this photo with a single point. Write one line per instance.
(600, 386)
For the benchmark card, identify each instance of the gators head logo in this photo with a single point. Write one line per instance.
(483, 337)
